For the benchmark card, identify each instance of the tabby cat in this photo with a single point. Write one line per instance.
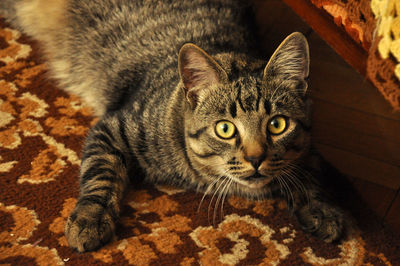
(215, 119)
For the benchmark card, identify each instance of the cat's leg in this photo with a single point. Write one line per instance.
(315, 210)
(104, 177)
(317, 190)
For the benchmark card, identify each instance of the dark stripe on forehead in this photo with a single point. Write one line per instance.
(267, 106)
(232, 109)
(258, 96)
(197, 134)
(238, 98)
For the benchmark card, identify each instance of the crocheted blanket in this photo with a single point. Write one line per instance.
(41, 134)
(375, 25)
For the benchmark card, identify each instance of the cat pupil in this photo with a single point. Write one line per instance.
(275, 123)
(225, 127)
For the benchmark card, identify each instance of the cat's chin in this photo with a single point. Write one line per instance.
(254, 183)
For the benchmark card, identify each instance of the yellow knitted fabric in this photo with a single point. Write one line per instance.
(388, 14)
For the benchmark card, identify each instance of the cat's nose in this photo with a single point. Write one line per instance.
(255, 161)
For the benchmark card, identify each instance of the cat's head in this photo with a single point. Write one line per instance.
(250, 128)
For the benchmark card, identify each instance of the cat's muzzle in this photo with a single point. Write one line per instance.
(255, 177)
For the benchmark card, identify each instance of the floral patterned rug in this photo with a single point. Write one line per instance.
(41, 133)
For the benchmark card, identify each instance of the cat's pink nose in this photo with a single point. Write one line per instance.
(255, 161)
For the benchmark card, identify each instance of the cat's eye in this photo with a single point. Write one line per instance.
(225, 129)
(277, 125)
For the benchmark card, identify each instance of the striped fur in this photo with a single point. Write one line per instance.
(159, 99)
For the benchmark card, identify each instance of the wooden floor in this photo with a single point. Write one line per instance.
(353, 126)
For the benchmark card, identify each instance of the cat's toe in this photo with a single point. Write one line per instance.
(88, 232)
(331, 230)
(326, 223)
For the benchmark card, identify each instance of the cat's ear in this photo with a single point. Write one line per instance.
(290, 61)
(198, 71)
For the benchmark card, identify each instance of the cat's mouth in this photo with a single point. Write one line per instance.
(255, 177)
(254, 181)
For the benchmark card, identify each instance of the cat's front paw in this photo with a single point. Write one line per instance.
(325, 221)
(86, 230)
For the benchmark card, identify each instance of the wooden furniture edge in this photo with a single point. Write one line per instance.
(322, 23)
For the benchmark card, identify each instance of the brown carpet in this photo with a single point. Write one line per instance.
(41, 133)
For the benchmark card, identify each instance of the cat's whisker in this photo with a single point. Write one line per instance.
(289, 192)
(226, 181)
(301, 185)
(212, 184)
(303, 174)
(296, 183)
(302, 171)
(223, 199)
(299, 172)
(213, 196)
(282, 188)
(220, 197)
(289, 177)
(217, 199)
(209, 188)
